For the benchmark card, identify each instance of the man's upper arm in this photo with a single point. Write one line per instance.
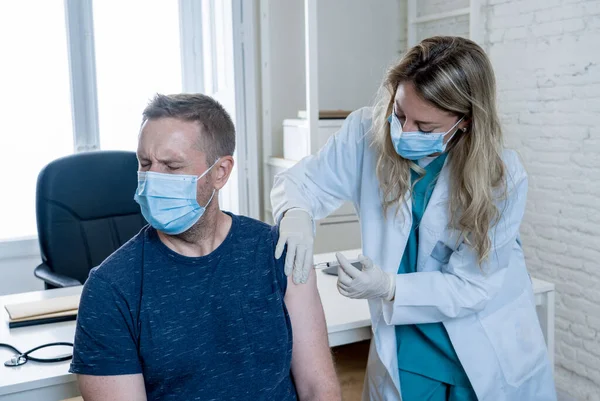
(112, 388)
(105, 356)
(312, 364)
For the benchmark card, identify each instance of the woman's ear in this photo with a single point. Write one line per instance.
(465, 125)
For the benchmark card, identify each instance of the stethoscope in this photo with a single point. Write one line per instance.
(21, 358)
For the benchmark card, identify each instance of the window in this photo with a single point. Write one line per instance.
(35, 104)
(137, 55)
(78, 73)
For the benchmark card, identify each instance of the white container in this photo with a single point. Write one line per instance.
(296, 136)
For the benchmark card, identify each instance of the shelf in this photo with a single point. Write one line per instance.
(439, 16)
(473, 12)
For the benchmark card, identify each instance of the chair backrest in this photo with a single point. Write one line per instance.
(85, 210)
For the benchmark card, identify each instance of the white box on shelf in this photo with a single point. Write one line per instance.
(296, 136)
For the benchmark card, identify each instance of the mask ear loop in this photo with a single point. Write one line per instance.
(208, 169)
(214, 190)
(211, 198)
(454, 133)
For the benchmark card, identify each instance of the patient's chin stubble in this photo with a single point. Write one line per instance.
(199, 231)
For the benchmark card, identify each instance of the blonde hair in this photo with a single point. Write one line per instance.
(455, 75)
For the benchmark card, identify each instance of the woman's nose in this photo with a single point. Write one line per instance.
(409, 126)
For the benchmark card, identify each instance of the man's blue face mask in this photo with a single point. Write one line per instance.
(168, 201)
(416, 145)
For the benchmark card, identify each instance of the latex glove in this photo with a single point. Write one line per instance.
(371, 282)
(296, 230)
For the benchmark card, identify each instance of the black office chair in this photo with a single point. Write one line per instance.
(85, 211)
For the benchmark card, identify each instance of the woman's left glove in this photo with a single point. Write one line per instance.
(368, 283)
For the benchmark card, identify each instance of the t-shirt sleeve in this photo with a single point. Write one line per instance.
(279, 263)
(105, 339)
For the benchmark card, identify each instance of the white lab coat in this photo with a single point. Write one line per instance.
(488, 311)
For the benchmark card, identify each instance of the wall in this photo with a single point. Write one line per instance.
(355, 51)
(18, 259)
(356, 44)
(16, 275)
(546, 55)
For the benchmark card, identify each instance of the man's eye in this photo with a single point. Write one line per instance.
(426, 132)
(173, 167)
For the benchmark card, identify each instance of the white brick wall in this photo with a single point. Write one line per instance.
(546, 54)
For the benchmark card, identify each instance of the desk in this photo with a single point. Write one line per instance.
(348, 321)
(36, 381)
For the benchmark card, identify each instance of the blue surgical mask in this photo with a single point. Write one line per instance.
(168, 201)
(416, 145)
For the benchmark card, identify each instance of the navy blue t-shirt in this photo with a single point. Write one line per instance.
(207, 328)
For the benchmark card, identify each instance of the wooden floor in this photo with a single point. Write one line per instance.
(351, 363)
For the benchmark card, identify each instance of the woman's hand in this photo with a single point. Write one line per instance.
(368, 283)
(297, 232)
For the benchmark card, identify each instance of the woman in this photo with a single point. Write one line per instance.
(440, 203)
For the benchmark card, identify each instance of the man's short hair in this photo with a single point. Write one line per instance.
(217, 136)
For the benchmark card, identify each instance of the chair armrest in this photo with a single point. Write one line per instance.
(44, 273)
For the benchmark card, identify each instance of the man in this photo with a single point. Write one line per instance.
(195, 306)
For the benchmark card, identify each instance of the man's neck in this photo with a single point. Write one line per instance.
(203, 238)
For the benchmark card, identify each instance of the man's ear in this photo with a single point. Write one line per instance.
(222, 171)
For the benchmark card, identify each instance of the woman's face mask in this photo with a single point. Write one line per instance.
(416, 144)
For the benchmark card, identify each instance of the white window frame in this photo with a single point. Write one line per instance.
(190, 28)
(245, 61)
(84, 99)
(82, 68)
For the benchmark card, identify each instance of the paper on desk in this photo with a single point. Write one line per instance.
(45, 316)
(43, 308)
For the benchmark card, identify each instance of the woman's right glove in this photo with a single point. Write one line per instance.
(368, 283)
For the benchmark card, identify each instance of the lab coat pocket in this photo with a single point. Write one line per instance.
(268, 334)
(515, 334)
(441, 252)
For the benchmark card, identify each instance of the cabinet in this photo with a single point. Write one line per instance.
(296, 136)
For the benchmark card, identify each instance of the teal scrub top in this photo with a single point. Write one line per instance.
(425, 349)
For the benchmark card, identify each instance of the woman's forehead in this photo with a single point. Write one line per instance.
(410, 103)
